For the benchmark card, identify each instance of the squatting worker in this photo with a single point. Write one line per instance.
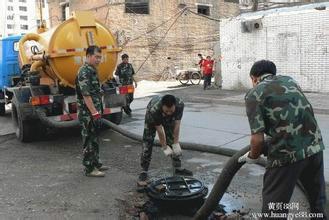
(89, 100)
(163, 116)
(277, 107)
(125, 72)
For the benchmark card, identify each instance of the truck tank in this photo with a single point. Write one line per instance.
(44, 97)
(57, 54)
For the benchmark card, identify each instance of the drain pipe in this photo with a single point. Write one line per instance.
(232, 166)
(185, 145)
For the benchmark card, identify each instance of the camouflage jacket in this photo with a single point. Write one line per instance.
(154, 115)
(87, 84)
(125, 71)
(277, 107)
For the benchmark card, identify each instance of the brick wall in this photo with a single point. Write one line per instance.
(296, 39)
(189, 35)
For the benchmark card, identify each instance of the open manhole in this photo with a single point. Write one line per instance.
(178, 194)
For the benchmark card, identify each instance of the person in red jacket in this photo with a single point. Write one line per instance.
(207, 68)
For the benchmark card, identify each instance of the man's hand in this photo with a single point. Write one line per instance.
(177, 150)
(97, 120)
(96, 116)
(167, 150)
(247, 159)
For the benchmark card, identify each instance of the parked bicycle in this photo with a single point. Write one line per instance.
(184, 76)
(192, 75)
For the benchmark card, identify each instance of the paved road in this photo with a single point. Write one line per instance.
(43, 180)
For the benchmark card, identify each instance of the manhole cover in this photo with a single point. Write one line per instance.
(178, 193)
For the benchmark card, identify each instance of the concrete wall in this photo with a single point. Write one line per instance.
(189, 35)
(296, 39)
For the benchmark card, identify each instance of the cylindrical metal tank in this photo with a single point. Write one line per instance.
(61, 50)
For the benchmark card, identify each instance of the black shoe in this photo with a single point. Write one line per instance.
(183, 172)
(127, 110)
(142, 176)
(142, 182)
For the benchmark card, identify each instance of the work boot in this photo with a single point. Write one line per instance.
(127, 110)
(103, 168)
(95, 173)
(183, 172)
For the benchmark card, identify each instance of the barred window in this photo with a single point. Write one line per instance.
(23, 17)
(22, 8)
(204, 9)
(137, 6)
(24, 27)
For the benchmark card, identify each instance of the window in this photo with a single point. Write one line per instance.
(24, 27)
(65, 10)
(10, 8)
(38, 22)
(233, 1)
(137, 6)
(204, 9)
(22, 8)
(10, 26)
(16, 44)
(23, 17)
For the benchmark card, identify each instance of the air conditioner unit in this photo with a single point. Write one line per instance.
(251, 25)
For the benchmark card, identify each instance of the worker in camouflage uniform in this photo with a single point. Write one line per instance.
(89, 100)
(277, 107)
(125, 72)
(163, 116)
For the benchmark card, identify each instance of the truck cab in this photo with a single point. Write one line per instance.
(9, 68)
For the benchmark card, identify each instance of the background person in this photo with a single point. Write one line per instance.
(125, 72)
(208, 66)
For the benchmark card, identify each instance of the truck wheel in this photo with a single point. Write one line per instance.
(116, 118)
(2, 109)
(24, 129)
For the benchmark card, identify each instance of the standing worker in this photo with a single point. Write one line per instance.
(89, 100)
(277, 107)
(125, 72)
(163, 116)
(201, 62)
(208, 66)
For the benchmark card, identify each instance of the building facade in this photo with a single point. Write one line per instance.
(20, 16)
(295, 38)
(157, 34)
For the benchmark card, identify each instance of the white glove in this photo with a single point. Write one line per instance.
(167, 150)
(247, 159)
(177, 149)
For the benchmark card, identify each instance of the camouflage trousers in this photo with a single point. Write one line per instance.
(90, 142)
(148, 141)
